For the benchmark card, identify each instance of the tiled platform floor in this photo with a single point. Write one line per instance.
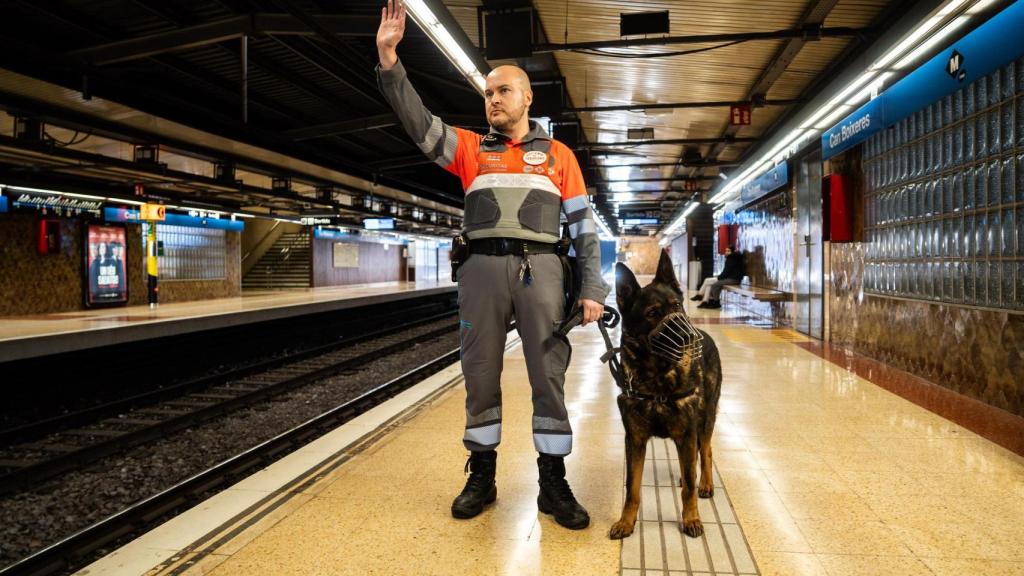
(826, 474)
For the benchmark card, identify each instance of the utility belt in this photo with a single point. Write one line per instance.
(463, 248)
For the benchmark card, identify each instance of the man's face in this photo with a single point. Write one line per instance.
(506, 98)
(728, 251)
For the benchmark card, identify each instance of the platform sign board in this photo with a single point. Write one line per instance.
(53, 204)
(3, 204)
(989, 47)
(379, 223)
(330, 233)
(770, 181)
(111, 214)
(106, 282)
(739, 115)
(346, 255)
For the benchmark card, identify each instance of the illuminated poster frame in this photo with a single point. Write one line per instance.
(105, 265)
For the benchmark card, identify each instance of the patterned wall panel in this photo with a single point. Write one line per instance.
(33, 283)
(975, 352)
(230, 286)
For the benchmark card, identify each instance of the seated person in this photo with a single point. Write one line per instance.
(732, 273)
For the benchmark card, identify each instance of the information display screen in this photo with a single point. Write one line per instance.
(106, 282)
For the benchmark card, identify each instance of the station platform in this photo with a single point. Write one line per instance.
(43, 334)
(819, 471)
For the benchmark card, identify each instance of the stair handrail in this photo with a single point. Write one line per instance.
(261, 240)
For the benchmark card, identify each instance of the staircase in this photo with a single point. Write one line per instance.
(287, 264)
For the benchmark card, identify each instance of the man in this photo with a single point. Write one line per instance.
(732, 273)
(517, 182)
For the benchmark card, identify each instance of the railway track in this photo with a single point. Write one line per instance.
(75, 549)
(153, 416)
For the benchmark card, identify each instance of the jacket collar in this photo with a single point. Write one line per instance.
(536, 133)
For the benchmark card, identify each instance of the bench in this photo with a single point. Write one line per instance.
(761, 294)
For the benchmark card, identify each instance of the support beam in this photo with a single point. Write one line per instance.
(667, 164)
(674, 141)
(682, 105)
(375, 122)
(669, 179)
(808, 32)
(224, 30)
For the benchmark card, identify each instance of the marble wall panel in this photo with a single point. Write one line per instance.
(641, 254)
(976, 352)
(376, 264)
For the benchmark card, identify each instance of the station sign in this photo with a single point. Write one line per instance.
(330, 234)
(739, 115)
(770, 181)
(153, 212)
(317, 220)
(3, 204)
(379, 223)
(989, 47)
(54, 204)
(119, 214)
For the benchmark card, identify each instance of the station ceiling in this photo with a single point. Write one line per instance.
(307, 95)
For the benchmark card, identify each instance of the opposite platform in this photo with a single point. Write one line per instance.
(44, 334)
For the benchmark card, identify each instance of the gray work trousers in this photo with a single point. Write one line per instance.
(490, 296)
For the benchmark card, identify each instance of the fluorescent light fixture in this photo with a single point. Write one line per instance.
(930, 43)
(619, 187)
(241, 215)
(57, 192)
(429, 23)
(907, 50)
(606, 232)
(691, 208)
(133, 202)
(722, 176)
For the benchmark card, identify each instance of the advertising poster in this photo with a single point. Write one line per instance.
(105, 265)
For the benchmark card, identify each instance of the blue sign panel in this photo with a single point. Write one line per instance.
(379, 223)
(989, 47)
(329, 234)
(770, 181)
(132, 215)
(3, 204)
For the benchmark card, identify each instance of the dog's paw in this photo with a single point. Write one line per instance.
(692, 528)
(705, 492)
(621, 529)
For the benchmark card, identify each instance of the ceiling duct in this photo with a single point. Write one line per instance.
(507, 33)
(643, 23)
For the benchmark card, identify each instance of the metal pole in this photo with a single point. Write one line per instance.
(245, 79)
(151, 269)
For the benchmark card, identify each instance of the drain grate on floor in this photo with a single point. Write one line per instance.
(657, 547)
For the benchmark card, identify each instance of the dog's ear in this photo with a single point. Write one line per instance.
(626, 286)
(666, 274)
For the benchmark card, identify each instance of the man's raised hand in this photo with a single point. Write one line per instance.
(390, 33)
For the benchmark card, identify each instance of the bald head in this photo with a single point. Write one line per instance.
(507, 98)
(510, 73)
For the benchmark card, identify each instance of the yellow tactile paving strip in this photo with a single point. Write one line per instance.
(825, 473)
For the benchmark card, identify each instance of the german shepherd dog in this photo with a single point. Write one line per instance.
(667, 395)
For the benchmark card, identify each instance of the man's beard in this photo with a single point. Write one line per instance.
(512, 119)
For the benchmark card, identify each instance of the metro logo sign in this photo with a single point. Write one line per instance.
(153, 212)
(955, 66)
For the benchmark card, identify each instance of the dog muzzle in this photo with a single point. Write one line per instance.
(674, 337)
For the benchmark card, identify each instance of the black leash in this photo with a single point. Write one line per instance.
(610, 319)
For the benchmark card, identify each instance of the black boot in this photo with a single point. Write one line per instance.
(556, 496)
(697, 298)
(480, 489)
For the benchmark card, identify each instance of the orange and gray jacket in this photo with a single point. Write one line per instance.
(513, 189)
